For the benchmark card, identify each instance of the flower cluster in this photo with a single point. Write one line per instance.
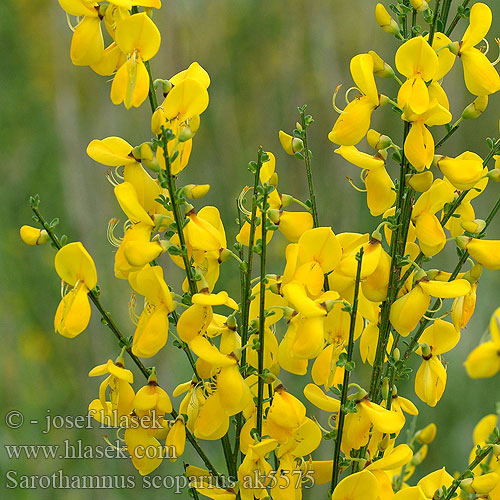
(334, 292)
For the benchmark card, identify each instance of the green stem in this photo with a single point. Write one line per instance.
(179, 222)
(434, 22)
(123, 342)
(246, 284)
(262, 313)
(485, 451)
(445, 10)
(347, 373)
(398, 241)
(228, 455)
(456, 19)
(450, 132)
(307, 162)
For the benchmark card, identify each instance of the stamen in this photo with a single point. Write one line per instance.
(111, 178)
(134, 317)
(485, 49)
(68, 19)
(497, 60)
(110, 233)
(351, 182)
(334, 98)
(241, 200)
(119, 173)
(347, 94)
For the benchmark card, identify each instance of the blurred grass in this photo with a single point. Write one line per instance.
(265, 59)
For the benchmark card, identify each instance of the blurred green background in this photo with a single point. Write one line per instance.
(265, 59)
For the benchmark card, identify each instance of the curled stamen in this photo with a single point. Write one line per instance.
(497, 60)
(111, 178)
(119, 173)
(64, 289)
(347, 94)
(332, 421)
(71, 27)
(123, 448)
(439, 317)
(241, 200)
(134, 317)
(485, 49)
(334, 98)
(110, 233)
(351, 182)
(435, 310)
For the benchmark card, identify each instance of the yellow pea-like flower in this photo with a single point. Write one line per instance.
(407, 311)
(464, 171)
(212, 422)
(484, 360)
(139, 38)
(75, 266)
(486, 252)
(463, 308)
(187, 99)
(286, 410)
(481, 77)
(144, 449)
(430, 380)
(427, 434)
(320, 245)
(354, 121)
(176, 438)
(416, 60)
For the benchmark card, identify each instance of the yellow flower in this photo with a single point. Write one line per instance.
(484, 360)
(114, 412)
(416, 60)
(176, 438)
(139, 38)
(464, 171)
(354, 121)
(76, 268)
(481, 78)
(152, 329)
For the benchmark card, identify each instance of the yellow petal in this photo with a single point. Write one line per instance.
(319, 399)
(486, 252)
(446, 289)
(73, 263)
(112, 151)
(359, 486)
(354, 122)
(417, 57)
(209, 353)
(87, 44)
(481, 77)
(419, 146)
(483, 361)
(362, 160)
(435, 480)
(195, 71)
(430, 381)
(408, 310)
(441, 336)
(321, 245)
(398, 457)
(380, 191)
(479, 25)
(187, 99)
(138, 32)
(129, 202)
(73, 314)
(362, 73)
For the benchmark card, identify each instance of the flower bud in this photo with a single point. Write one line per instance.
(427, 434)
(185, 134)
(474, 226)
(286, 200)
(290, 144)
(33, 236)
(385, 21)
(380, 67)
(157, 121)
(378, 141)
(419, 5)
(274, 215)
(385, 388)
(420, 182)
(494, 175)
(196, 191)
(396, 354)
(476, 108)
